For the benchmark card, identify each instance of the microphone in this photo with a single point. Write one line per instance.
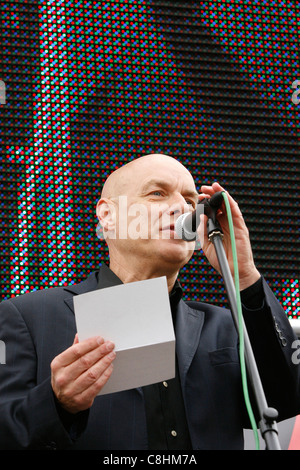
(186, 225)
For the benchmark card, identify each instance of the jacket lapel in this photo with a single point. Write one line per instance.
(189, 323)
(88, 285)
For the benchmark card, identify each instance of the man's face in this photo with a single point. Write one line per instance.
(156, 193)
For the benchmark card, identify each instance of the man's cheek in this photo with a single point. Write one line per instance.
(138, 222)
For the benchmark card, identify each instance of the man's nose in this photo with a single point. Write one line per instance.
(179, 205)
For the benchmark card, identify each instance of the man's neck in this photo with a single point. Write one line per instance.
(130, 274)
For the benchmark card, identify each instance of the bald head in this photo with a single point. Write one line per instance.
(119, 182)
(139, 205)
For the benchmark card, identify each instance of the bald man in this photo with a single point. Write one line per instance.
(50, 383)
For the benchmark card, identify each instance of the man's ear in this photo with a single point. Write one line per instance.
(106, 214)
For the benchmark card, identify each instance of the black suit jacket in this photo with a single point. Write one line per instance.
(36, 327)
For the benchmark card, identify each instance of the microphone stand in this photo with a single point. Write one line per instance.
(267, 415)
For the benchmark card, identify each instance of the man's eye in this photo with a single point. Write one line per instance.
(192, 203)
(157, 193)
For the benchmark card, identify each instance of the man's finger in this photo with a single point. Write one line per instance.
(93, 374)
(85, 398)
(76, 351)
(86, 361)
(78, 393)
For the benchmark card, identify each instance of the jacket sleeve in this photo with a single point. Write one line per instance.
(29, 418)
(273, 342)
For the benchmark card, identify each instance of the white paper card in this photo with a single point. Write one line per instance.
(137, 318)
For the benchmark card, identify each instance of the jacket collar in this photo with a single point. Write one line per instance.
(189, 324)
(88, 285)
(105, 277)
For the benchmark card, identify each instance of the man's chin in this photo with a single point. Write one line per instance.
(175, 250)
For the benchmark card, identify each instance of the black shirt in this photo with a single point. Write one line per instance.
(165, 414)
(164, 405)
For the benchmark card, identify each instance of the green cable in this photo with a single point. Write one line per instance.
(240, 322)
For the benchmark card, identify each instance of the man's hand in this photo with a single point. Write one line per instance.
(248, 274)
(80, 372)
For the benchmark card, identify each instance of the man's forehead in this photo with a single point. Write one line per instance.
(146, 171)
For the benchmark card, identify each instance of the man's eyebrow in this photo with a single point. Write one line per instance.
(155, 182)
(192, 194)
(166, 184)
